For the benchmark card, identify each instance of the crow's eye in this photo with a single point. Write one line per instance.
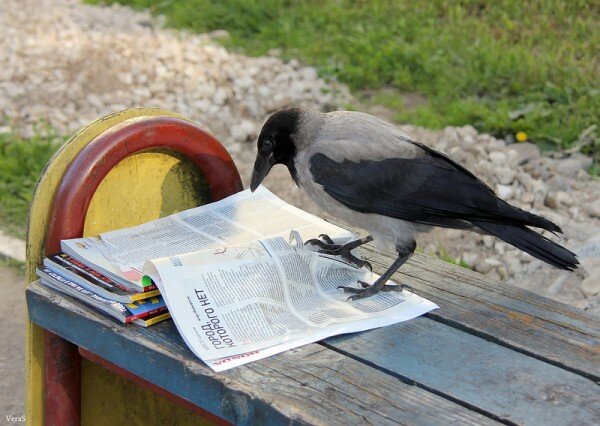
(267, 145)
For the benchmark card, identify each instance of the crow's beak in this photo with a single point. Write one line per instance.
(262, 165)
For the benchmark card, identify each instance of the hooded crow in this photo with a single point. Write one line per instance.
(374, 176)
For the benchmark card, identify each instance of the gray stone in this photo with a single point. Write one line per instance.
(591, 285)
(487, 265)
(512, 262)
(488, 241)
(500, 247)
(579, 231)
(497, 158)
(512, 155)
(494, 274)
(594, 208)
(590, 248)
(571, 166)
(525, 151)
(527, 198)
(554, 200)
(470, 258)
(565, 198)
(243, 130)
(558, 183)
(219, 35)
(504, 191)
(453, 233)
(505, 175)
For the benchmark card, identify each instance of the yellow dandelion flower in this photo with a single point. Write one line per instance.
(521, 136)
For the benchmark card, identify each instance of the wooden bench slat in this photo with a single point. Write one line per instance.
(532, 324)
(311, 384)
(496, 379)
(519, 299)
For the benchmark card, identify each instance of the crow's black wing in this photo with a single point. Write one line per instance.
(431, 189)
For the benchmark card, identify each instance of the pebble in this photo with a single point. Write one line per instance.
(591, 285)
(498, 158)
(500, 247)
(591, 249)
(470, 258)
(504, 191)
(487, 265)
(527, 198)
(95, 60)
(554, 200)
(594, 208)
(70, 63)
(505, 175)
(571, 166)
(512, 262)
(488, 241)
(525, 152)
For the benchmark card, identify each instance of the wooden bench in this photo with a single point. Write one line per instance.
(492, 353)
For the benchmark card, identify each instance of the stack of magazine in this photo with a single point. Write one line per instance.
(124, 300)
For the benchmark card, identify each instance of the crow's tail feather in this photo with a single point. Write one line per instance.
(517, 216)
(531, 242)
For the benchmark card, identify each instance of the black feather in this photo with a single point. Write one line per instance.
(533, 243)
(431, 190)
(434, 190)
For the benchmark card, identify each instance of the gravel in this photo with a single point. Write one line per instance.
(69, 63)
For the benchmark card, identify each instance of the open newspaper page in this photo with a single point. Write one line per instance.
(237, 219)
(235, 304)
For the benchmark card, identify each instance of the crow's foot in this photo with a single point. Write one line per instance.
(327, 246)
(404, 253)
(368, 290)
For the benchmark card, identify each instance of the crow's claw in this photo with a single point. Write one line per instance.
(364, 263)
(324, 246)
(369, 290)
(326, 238)
(327, 246)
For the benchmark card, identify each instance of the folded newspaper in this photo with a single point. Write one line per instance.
(239, 283)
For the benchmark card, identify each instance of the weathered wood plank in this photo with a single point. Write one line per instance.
(309, 385)
(513, 317)
(508, 384)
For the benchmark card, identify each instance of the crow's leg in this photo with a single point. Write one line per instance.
(327, 246)
(404, 253)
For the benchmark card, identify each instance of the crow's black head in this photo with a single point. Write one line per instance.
(275, 144)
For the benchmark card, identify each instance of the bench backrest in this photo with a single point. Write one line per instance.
(122, 170)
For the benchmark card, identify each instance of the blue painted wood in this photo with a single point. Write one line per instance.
(513, 317)
(312, 384)
(511, 385)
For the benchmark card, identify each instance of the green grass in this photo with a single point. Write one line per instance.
(442, 253)
(503, 66)
(21, 163)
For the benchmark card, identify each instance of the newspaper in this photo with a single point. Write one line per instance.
(238, 291)
(237, 304)
(237, 219)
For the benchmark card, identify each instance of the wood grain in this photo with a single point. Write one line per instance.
(308, 385)
(491, 378)
(518, 319)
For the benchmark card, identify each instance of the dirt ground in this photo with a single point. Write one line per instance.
(12, 357)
